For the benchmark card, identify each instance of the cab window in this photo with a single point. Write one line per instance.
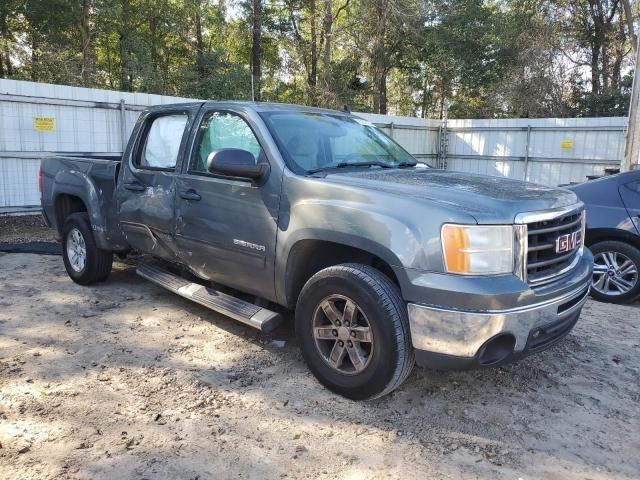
(223, 130)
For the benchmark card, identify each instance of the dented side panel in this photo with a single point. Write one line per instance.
(146, 197)
(92, 181)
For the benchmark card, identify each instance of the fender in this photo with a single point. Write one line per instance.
(345, 223)
(80, 184)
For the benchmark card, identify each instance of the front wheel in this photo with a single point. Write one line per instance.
(353, 329)
(615, 272)
(84, 261)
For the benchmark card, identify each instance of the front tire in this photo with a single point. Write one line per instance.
(84, 261)
(353, 330)
(616, 272)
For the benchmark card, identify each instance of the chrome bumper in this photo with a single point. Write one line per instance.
(463, 333)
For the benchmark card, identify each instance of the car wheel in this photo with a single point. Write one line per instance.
(615, 272)
(353, 329)
(84, 261)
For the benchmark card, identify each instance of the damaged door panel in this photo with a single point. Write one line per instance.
(146, 199)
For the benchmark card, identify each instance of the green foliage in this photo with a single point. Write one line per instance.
(484, 58)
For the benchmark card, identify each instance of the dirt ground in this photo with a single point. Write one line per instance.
(24, 228)
(124, 380)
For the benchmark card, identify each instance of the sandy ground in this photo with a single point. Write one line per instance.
(124, 380)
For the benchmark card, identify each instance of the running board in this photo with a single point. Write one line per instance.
(245, 312)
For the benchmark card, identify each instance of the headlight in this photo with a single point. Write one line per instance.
(478, 249)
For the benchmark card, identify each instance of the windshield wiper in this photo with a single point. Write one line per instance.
(406, 164)
(351, 164)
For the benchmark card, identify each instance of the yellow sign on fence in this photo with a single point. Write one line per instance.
(44, 124)
(566, 144)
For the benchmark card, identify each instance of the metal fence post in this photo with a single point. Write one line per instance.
(391, 128)
(444, 138)
(526, 154)
(123, 125)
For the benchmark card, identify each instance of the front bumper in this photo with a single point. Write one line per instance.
(457, 339)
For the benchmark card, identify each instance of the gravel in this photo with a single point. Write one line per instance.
(125, 380)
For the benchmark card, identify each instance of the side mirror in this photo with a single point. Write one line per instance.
(235, 162)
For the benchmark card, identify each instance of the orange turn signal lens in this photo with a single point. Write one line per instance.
(455, 242)
(478, 249)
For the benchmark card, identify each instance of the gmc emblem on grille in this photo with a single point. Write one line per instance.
(568, 242)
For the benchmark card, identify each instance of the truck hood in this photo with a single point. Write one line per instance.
(488, 199)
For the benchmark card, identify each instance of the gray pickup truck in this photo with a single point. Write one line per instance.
(254, 210)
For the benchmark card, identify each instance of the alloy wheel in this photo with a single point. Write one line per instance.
(613, 273)
(76, 250)
(342, 334)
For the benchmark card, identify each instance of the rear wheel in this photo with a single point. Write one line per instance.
(84, 261)
(616, 270)
(353, 330)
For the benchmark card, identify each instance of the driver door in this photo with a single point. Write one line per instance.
(226, 226)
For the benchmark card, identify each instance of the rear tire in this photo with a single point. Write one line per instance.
(616, 276)
(84, 261)
(361, 349)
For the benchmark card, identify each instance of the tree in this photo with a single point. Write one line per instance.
(485, 58)
(256, 47)
(85, 33)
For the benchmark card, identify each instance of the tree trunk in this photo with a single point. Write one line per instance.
(379, 59)
(312, 77)
(85, 35)
(425, 93)
(327, 23)
(618, 58)
(35, 60)
(5, 57)
(629, 18)
(154, 84)
(595, 69)
(199, 45)
(256, 48)
(124, 32)
(382, 93)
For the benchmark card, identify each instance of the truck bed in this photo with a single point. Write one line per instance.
(82, 182)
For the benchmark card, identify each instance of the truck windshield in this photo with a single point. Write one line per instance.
(312, 142)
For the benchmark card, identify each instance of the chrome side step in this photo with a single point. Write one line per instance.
(245, 312)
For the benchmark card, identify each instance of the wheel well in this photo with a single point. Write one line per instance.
(603, 234)
(64, 206)
(308, 257)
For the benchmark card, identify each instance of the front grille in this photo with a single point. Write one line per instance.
(544, 262)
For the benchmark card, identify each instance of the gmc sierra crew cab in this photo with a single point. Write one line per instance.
(256, 209)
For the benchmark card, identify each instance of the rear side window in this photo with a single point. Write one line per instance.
(162, 142)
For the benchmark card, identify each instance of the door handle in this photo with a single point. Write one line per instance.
(135, 187)
(190, 195)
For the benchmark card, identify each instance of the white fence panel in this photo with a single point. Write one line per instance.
(19, 181)
(551, 151)
(84, 121)
(548, 151)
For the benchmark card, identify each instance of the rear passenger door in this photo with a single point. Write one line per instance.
(146, 189)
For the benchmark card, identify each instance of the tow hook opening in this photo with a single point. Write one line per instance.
(497, 349)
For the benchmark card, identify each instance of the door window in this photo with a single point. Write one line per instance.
(223, 130)
(163, 142)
